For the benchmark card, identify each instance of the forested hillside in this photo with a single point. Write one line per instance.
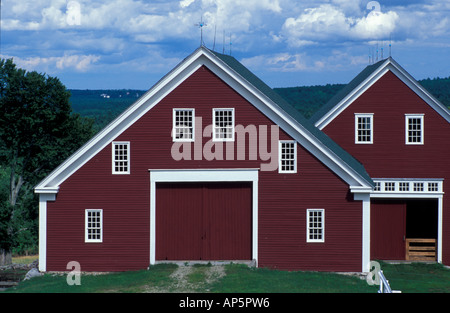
(105, 105)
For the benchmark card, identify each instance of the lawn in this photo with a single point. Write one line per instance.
(236, 278)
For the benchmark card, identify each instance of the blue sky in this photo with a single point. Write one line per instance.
(115, 44)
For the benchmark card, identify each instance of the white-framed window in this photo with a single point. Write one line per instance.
(315, 228)
(183, 125)
(389, 186)
(418, 186)
(287, 155)
(93, 225)
(433, 187)
(121, 157)
(414, 129)
(223, 124)
(364, 128)
(403, 186)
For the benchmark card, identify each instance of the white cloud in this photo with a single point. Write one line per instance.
(80, 63)
(329, 23)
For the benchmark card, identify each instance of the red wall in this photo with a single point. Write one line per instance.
(389, 99)
(283, 198)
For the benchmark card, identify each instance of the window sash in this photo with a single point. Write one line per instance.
(93, 225)
(121, 158)
(414, 129)
(364, 128)
(223, 124)
(183, 125)
(315, 220)
(287, 156)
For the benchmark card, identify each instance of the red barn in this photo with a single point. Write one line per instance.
(211, 164)
(401, 134)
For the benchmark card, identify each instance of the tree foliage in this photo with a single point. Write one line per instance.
(38, 131)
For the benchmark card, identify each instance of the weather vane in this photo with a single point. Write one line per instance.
(201, 24)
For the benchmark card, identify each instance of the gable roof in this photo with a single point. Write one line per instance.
(363, 81)
(250, 87)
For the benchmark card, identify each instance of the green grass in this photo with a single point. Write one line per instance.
(408, 278)
(241, 278)
(417, 277)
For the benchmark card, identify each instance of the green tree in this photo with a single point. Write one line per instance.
(37, 132)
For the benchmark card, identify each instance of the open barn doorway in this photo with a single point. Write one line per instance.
(404, 229)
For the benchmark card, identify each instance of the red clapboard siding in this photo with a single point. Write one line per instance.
(282, 201)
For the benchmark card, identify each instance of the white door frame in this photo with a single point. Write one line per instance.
(204, 175)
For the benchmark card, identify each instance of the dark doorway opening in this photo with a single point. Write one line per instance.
(422, 218)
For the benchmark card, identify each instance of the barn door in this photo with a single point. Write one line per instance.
(388, 229)
(203, 221)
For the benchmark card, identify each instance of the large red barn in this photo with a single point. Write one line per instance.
(211, 164)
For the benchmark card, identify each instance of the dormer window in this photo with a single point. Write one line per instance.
(414, 129)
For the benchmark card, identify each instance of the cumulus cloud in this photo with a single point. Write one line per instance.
(302, 62)
(79, 63)
(329, 23)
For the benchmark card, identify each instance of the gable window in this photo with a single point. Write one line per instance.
(364, 128)
(93, 225)
(183, 124)
(121, 158)
(223, 124)
(414, 129)
(287, 157)
(315, 225)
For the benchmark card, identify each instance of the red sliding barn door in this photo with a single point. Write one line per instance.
(203, 221)
(388, 230)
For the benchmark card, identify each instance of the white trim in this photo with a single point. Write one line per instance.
(405, 188)
(203, 57)
(440, 222)
(365, 198)
(439, 195)
(86, 233)
(43, 198)
(322, 220)
(203, 175)
(422, 128)
(388, 65)
(214, 124)
(351, 96)
(113, 155)
(174, 110)
(363, 115)
(280, 155)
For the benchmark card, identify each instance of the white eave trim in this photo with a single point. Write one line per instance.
(46, 190)
(169, 82)
(402, 74)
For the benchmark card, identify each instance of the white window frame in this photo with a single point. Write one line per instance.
(357, 129)
(321, 228)
(215, 128)
(88, 227)
(113, 148)
(281, 159)
(175, 127)
(420, 117)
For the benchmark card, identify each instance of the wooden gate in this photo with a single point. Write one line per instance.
(419, 249)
